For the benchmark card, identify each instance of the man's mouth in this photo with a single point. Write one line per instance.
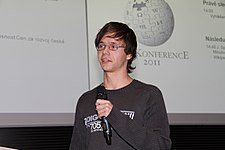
(105, 60)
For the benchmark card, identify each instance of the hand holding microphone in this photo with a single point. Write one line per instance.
(103, 108)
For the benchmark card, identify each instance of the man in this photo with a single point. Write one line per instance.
(135, 111)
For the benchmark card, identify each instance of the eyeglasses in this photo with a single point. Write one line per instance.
(112, 47)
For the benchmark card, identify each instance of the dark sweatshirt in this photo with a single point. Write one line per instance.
(138, 119)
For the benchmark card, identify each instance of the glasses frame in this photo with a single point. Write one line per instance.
(112, 47)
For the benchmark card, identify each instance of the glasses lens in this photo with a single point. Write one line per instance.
(101, 46)
(114, 47)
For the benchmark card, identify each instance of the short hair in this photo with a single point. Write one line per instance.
(122, 32)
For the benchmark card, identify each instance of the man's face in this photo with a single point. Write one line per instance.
(113, 60)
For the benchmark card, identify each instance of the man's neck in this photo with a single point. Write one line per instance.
(114, 81)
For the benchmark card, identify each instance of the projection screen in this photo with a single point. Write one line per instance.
(181, 49)
(43, 60)
(48, 58)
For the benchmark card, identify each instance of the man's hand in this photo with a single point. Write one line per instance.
(103, 107)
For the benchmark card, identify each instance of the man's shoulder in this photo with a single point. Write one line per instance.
(89, 93)
(143, 85)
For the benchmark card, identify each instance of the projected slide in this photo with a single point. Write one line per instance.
(48, 58)
(181, 48)
(43, 56)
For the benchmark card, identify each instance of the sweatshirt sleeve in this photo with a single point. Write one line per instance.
(153, 133)
(78, 139)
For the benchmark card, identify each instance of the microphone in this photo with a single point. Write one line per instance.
(107, 132)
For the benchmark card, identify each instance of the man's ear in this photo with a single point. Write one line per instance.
(129, 56)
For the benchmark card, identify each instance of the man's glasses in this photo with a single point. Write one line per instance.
(112, 47)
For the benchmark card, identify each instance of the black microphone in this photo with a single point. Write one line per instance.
(101, 94)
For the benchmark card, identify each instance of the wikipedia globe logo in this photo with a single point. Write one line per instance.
(151, 20)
